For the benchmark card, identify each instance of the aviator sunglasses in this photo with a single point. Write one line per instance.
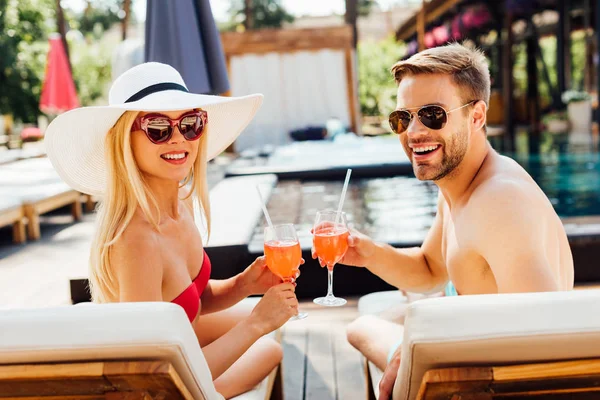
(431, 116)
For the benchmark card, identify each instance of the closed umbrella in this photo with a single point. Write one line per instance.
(58, 90)
(184, 35)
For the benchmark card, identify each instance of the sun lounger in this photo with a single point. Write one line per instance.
(39, 188)
(11, 213)
(121, 351)
(13, 155)
(532, 345)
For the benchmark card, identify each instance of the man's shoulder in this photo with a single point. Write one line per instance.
(506, 197)
(499, 189)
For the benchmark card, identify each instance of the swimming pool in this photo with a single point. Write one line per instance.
(570, 180)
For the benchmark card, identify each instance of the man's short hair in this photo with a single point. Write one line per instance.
(467, 67)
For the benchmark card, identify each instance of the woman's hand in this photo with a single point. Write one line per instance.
(277, 306)
(257, 278)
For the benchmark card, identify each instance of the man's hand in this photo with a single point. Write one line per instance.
(386, 385)
(360, 249)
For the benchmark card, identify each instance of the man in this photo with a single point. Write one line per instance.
(495, 230)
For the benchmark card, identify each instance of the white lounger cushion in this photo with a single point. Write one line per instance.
(497, 330)
(158, 330)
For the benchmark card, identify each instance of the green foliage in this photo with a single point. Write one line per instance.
(98, 17)
(555, 116)
(95, 21)
(91, 69)
(577, 60)
(548, 46)
(365, 7)
(376, 86)
(573, 96)
(23, 48)
(265, 13)
(520, 69)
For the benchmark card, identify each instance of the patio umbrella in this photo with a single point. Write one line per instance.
(183, 34)
(58, 90)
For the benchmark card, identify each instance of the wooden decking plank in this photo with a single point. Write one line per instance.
(349, 372)
(320, 373)
(294, 360)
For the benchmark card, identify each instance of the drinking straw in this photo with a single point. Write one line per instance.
(264, 207)
(341, 204)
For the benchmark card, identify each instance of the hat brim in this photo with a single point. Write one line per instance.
(75, 140)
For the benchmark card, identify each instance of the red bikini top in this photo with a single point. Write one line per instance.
(189, 299)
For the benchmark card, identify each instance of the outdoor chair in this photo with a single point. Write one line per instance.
(11, 213)
(507, 346)
(37, 186)
(117, 351)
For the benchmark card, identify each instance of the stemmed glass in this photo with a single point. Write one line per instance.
(283, 254)
(330, 241)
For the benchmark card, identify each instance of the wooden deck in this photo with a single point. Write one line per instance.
(318, 362)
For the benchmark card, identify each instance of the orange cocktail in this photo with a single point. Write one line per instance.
(283, 254)
(283, 258)
(331, 244)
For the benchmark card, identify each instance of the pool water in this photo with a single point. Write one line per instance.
(570, 180)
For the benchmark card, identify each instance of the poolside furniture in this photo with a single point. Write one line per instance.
(39, 189)
(119, 351)
(10, 156)
(11, 212)
(488, 346)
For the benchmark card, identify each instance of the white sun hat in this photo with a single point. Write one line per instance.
(75, 140)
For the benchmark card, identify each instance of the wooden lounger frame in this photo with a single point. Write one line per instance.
(553, 380)
(111, 380)
(33, 210)
(15, 217)
(106, 380)
(578, 379)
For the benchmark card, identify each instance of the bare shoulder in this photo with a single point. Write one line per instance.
(499, 193)
(507, 189)
(134, 257)
(507, 206)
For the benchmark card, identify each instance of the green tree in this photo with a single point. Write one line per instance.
(366, 6)
(376, 86)
(265, 14)
(23, 49)
(578, 60)
(99, 16)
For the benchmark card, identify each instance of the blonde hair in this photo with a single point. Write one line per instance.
(126, 191)
(468, 68)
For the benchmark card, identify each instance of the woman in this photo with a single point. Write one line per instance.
(145, 156)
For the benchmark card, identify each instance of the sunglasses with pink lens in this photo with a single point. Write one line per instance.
(159, 128)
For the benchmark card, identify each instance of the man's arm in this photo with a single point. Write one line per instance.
(419, 269)
(509, 231)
